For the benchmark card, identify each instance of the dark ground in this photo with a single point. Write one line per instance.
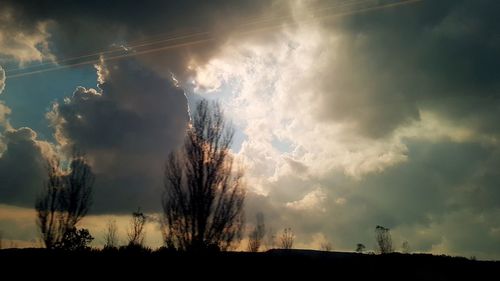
(274, 264)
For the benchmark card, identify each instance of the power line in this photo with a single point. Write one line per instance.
(178, 40)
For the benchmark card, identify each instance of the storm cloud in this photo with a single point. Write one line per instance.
(23, 166)
(88, 27)
(126, 127)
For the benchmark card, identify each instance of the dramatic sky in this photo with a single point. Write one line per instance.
(348, 113)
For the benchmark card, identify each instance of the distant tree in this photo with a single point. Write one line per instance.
(203, 199)
(384, 240)
(1, 239)
(270, 241)
(286, 239)
(257, 234)
(65, 199)
(326, 246)
(360, 248)
(136, 232)
(405, 247)
(75, 240)
(111, 235)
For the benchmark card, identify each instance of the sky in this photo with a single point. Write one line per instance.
(348, 113)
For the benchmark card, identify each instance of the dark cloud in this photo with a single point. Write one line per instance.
(86, 27)
(23, 166)
(126, 127)
(389, 64)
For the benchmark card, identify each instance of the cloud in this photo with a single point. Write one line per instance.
(441, 60)
(20, 43)
(75, 29)
(23, 166)
(311, 201)
(126, 127)
(2, 79)
(394, 113)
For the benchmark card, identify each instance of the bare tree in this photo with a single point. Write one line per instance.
(203, 199)
(111, 235)
(136, 233)
(270, 241)
(257, 234)
(360, 248)
(65, 200)
(384, 240)
(405, 247)
(286, 239)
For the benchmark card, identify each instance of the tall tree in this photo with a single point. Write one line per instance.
(111, 235)
(136, 232)
(204, 196)
(65, 199)
(384, 240)
(286, 239)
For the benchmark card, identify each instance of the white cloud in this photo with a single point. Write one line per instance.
(311, 201)
(20, 44)
(274, 100)
(2, 79)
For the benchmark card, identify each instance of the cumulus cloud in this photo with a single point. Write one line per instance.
(394, 118)
(22, 43)
(311, 201)
(2, 79)
(199, 27)
(23, 166)
(126, 127)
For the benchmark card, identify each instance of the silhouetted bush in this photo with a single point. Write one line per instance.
(75, 240)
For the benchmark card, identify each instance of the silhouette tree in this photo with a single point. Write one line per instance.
(360, 248)
(65, 199)
(257, 234)
(326, 246)
(1, 239)
(111, 235)
(270, 241)
(203, 199)
(405, 247)
(136, 232)
(286, 239)
(384, 240)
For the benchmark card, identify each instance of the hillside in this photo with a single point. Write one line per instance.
(279, 263)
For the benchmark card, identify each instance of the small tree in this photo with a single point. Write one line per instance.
(326, 246)
(65, 200)
(111, 235)
(384, 240)
(256, 236)
(360, 248)
(405, 247)
(136, 232)
(286, 239)
(270, 241)
(203, 199)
